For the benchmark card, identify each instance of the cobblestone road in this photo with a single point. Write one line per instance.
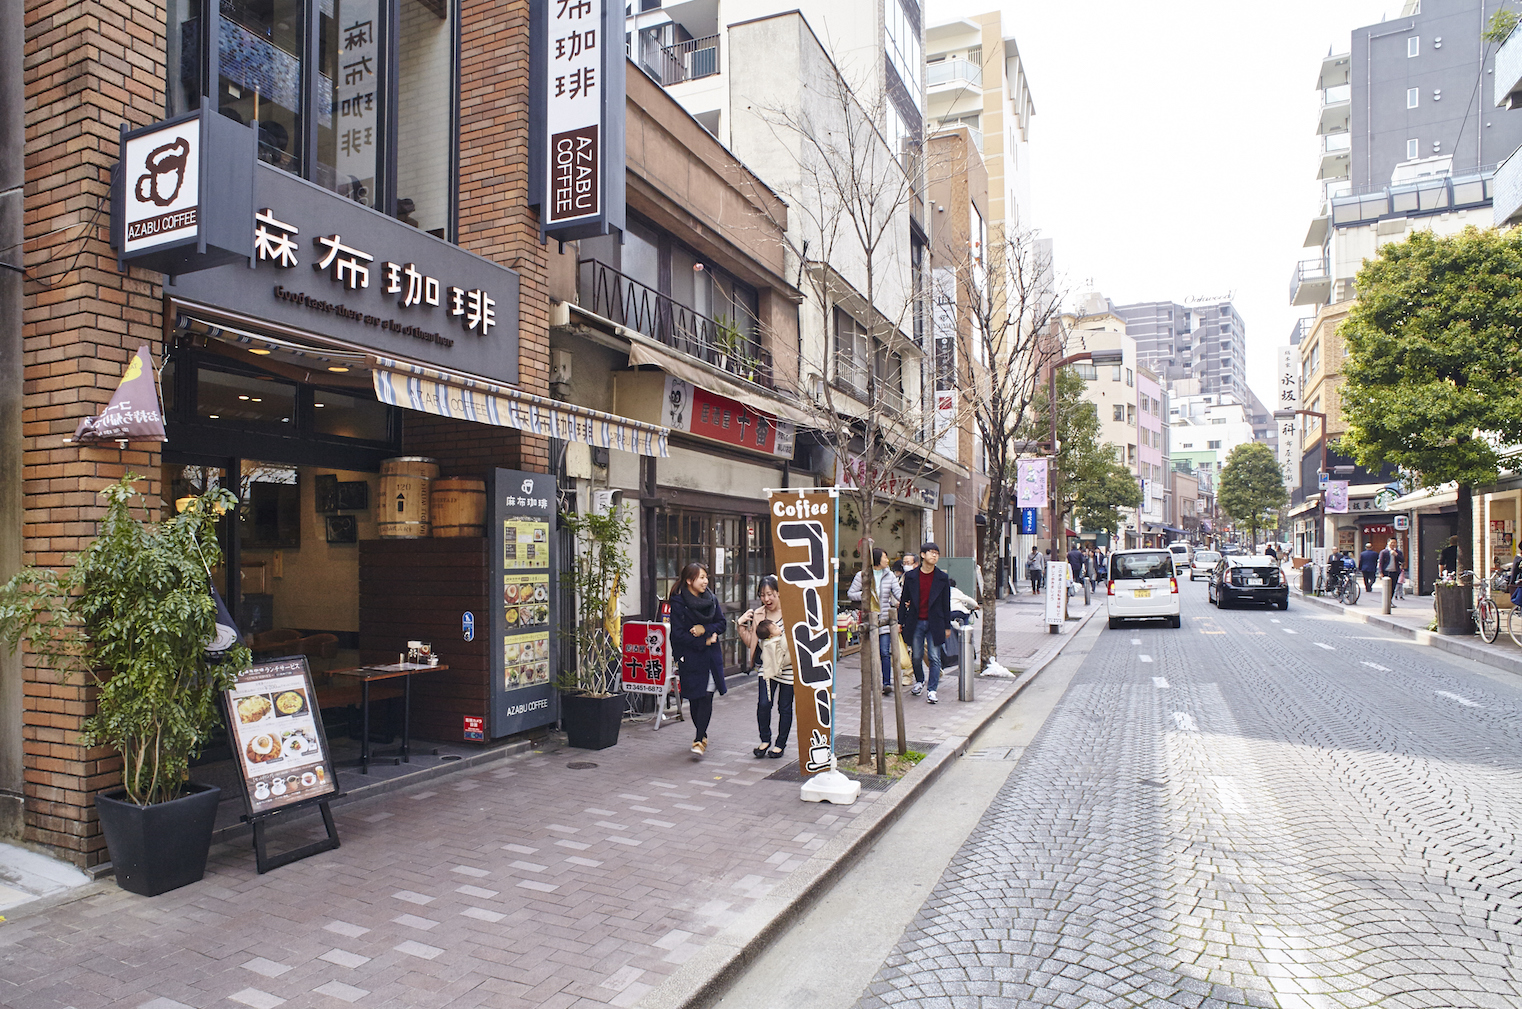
(1263, 808)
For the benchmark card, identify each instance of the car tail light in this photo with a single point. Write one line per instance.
(1174, 582)
(1112, 587)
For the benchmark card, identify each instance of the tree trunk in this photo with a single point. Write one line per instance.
(988, 598)
(1466, 527)
(868, 606)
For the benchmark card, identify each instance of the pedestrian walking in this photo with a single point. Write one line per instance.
(1035, 570)
(1075, 562)
(1090, 567)
(777, 680)
(768, 696)
(1400, 572)
(924, 611)
(1448, 560)
(1389, 566)
(1368, 566)
(697, 622)
(885, 594)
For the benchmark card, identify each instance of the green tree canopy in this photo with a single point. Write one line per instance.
(1434, 360)
(1102, 489)
(1252, 486)
(1092, 484)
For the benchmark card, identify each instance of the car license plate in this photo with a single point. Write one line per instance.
(1255, 581)
(1141, 594)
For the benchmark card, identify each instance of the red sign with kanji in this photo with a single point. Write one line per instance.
(644, 656)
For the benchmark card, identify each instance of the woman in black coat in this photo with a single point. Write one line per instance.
(697, 623)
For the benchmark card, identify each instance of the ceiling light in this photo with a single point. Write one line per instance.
(261, 353)
(256, 399)
(243, 397)
(319, 404)
(214, 416)
(340, 369)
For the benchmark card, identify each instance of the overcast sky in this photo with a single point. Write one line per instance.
(1174, 150)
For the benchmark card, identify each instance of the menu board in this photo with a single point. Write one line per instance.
(277, 735)
(524, 626)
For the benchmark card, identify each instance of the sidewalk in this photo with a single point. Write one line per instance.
(1413, 616)
(554, 878)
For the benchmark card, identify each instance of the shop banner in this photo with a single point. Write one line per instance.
(1289, 427)
(276, 736)
(133, 413)
(804, 536)
(1030, 483)
(896, 486)
(1336, 497)
(644, 656)
(1028, 521)
(694, 410)
(523, 650)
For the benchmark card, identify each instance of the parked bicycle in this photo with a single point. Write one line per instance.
(1487, 614)
(1341, 583)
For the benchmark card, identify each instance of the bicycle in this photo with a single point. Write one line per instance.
(1342, 584)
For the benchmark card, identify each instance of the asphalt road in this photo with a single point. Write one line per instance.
(1260, 808)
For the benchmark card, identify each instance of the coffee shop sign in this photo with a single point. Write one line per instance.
(276, 242)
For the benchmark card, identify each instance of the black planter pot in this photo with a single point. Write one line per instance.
(1452, 604)
(160, 847)
(591, 723)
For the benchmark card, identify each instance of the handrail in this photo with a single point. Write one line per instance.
(690, 60)
(730, 347)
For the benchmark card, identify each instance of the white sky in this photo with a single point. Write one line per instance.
(1174, 149)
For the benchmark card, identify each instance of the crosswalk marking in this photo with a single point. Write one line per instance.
(1286, 630)
(1145, 658)
(1185, 722)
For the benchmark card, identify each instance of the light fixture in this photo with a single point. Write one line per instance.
(319, 404)
(260, 352)
(243, 397)
(338, 368)
(256, 399)
(214, 416)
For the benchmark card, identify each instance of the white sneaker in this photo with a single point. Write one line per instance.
(931, 697)
(915, 690)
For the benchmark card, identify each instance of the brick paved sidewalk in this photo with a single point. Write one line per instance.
(518, 883)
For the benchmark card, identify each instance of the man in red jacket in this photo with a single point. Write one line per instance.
(924, 612)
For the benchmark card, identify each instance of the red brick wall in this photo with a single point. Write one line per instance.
(89, 66)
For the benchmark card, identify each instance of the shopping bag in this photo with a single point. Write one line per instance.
(901, 656)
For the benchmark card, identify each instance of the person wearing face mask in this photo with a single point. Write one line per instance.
(697, 623)
(772, 691)
(885, 591)
(925, 615)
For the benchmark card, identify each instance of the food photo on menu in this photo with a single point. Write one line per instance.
(279, 743)
(526, 658)
(526, 600)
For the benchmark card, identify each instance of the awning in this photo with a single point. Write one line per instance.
(443, 394)
(672, 363)
(1426, 497)
(1309, 504)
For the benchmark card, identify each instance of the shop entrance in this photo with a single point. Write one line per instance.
(737, 550)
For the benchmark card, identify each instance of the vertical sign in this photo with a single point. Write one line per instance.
(161, 175)
(1287, 397)
(1337, 497)
(644, 656)
(1028, 520)
(804, 535)
(577, 119)
(1058, 574)
(355, 82)
(524, 619)
(1030, 483)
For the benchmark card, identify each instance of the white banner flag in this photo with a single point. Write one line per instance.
(1030, 483)
(1337, 497)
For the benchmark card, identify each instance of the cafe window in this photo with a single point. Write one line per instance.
(735, 548)
(354, 95)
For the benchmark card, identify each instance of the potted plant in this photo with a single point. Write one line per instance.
(591, 703)
(1452, 603)
(133, 617)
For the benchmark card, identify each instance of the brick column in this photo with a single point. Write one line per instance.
(88, 67)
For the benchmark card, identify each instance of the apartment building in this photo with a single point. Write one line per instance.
(1203, 340)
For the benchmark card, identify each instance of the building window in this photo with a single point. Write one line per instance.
(1413, 150)
(904, 48)
(1212, 444)
(1130, 415)
(1413, 46)
(1119, 413)
(331, 119)
(1115, 373)
(1130, 455)
(852, 356)
(1130, 377)
(1413, 97)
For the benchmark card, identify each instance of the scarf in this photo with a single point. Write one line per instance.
(705, 607)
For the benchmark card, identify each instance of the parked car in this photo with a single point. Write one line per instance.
(1247, 579)
(1143, 583)
(1204, 560)
(1183, 554)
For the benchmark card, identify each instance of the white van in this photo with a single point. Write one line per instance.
(1143, 583)
(1183, 555)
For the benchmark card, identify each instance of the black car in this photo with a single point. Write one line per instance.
(1248, 579)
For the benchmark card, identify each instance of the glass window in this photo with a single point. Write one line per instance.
(349, 99)
(851, 353)
(259, 47)
(1115, 373)
(1413, 97)
(1413, 46)
(1413, 150)
(423, 101)
(1130, 377)
(342, 415)
(1118, 413)
(252, 402)
(904, 48)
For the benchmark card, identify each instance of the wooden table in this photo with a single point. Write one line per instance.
(369, 674)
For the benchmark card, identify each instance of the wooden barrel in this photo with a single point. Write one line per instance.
(457, 506)
(401, 509)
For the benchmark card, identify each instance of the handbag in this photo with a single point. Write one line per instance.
(901, 656)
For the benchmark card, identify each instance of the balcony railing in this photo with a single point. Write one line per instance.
(952, 70)
(1310, 279)
(1508, 191)
(975, 134)
(1508, 72)
(690, 60)
(1337, 143)
(726, 345)
(1338, 93)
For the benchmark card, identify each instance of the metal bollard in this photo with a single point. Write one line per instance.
(968, 670)
(1387, 592)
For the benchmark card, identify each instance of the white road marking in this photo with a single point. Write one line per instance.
(1160, 682)
(1466, 702)
(1185, 721)
(1286, 630)
(1273, 620)
(1145, 658)
(1319, 644)
(1136, 641)
(1376, 665)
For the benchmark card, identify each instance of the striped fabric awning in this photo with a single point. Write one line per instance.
(401, 383)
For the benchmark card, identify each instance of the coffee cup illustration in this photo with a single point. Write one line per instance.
(169, 160)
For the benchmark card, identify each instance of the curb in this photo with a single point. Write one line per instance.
(705, 977)
(1454, 645)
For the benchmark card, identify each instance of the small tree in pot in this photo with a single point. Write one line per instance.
(592, 706)
(134, 617)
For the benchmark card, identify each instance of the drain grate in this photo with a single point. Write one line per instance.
(1010, 753)
(581, 765)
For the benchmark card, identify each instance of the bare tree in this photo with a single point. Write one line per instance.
(1008, 329)
(849, 197)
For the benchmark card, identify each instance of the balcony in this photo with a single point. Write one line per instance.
(973, 133)
(954, 71)
(604, 291)
(1336, 156)
(1508, 190)
(1508, 72)
(1335, 69)
(1336, 104)
(689, 61)
(1310, 283)
(1301, 329)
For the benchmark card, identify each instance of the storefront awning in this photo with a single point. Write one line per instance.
(1426, 497)
(643, 352)
(460, 397)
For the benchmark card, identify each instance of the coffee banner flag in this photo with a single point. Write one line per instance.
(804, 536)
(134, 413)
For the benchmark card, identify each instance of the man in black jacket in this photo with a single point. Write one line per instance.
(924, 613)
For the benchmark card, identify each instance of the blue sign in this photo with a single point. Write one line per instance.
(1028, 521)
(468, 626)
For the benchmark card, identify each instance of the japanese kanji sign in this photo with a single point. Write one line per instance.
(1030, 483)
(1287, 397)
(133, 413)
(644, 656)
(356, 80)
(578, 124)
(804, 534)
